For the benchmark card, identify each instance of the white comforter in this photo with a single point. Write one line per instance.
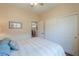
(38, 47)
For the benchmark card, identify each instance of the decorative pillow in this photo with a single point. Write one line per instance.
(13, 45)
(4, 41)
(4, 47)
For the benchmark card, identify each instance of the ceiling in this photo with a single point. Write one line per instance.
(38, 9)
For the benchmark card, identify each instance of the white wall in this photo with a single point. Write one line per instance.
(41, 29)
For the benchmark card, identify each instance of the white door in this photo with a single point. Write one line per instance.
(63, 30)
(41, 28)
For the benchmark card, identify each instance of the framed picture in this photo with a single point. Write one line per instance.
(15, 25)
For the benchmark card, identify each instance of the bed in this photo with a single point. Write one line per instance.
(37, 47)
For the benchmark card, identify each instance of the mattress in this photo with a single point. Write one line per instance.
(37, 47)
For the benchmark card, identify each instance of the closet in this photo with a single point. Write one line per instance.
(64, 31)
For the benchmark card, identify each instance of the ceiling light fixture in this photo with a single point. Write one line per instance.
(34, 4)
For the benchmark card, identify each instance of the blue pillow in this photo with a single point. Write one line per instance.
(13, 45)
(5, 41)
(4, 48)
(9, 43)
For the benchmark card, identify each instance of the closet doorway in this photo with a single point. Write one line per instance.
(34, 29)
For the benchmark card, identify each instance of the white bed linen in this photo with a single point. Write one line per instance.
(38, 47)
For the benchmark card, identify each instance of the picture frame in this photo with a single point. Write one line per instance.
(15, 25)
